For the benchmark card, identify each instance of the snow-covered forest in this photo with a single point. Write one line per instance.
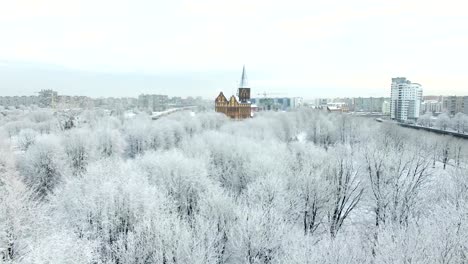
(457, 123)
(293, 187)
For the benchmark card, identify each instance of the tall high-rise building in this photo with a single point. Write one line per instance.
(405, 100)
(465, 104)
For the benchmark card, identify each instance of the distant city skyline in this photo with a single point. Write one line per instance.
(29, 79)
(302, 48)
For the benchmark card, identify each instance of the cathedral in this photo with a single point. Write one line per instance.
(237, 107)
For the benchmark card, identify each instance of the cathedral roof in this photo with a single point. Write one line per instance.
(221, 98)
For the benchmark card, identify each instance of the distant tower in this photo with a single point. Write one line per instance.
(244, 91)
(243, 81)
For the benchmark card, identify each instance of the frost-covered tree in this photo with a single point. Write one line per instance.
(109, 142)
(397, 173)
(425, 120)
(229, 161)
(218, 220)
(17, 214)
(307, 188)
(78, 149)
(18, 211)
(460, 123)
(43, 166)
(137, 137)
(284, 187)
(443, 121)
(185, 180)
(41, 116)
(262, 226)
(345, 190)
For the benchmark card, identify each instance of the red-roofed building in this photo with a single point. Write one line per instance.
(236, 107)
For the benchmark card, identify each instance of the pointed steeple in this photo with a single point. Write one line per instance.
(243, 81)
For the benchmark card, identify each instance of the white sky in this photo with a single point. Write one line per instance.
(303, 48)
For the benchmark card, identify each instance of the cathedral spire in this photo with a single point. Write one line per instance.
(243, 81)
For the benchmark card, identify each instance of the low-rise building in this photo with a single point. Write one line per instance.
(153, 102)
(431, 106)
(296, 102)
(273, 103)
(321, 102)
(341, 107)
(453, 104)
(368, 104)
(386, 107)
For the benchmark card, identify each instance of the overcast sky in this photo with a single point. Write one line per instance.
(303, 48)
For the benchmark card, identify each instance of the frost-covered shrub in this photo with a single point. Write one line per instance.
(26, 138)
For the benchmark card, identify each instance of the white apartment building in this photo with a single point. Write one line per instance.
(321, 101)
(296, 102)
(406, 100)
(431, 106)
(386, 108)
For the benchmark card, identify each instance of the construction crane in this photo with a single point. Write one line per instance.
(265, 94)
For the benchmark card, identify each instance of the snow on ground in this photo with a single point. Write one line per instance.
(301, 137)
(129, 115)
